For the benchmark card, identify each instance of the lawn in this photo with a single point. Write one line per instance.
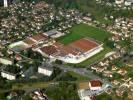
(84, 30)
(94, 58)
(79, 77)
(22, 86)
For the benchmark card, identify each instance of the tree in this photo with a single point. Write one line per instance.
(1, 2)
(56, 72)
(58, 62)
(110, 44)
(27, 97)
(130, 73)
(63, 91)
(2, 96)
(103, 96)
(4, 84)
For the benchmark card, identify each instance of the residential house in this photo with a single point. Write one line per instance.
(95, 85)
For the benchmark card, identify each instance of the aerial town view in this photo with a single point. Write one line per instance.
(66, 49)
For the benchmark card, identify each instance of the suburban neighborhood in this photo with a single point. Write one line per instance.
(71, 50)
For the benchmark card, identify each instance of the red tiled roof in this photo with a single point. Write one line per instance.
(70, 50)
(34, 46)
(64, 50)
(84, 44)
(58, 44)
(18, 57)
(131, 20)
(95, 83)
(49, 50)
(75, 48)
(29, 41)
(39, 37)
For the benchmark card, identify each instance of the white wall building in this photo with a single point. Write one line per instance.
(82, 96)
(119, 1)
(128, 2)
(95, 85)
(5, 3)
(75, 52)
(70, 58)
(8, 75)
(45, 70)
(5, 61)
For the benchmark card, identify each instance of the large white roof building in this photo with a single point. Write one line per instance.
(75, 52)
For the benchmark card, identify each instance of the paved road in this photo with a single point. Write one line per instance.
(82, 71)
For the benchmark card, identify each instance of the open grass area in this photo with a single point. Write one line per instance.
(84, 30)
(94, 58)
(22, 86)
(79, 77)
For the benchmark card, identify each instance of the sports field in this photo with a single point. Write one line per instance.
(83, 30)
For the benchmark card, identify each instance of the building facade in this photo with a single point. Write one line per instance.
(8, 75)
(45, 71)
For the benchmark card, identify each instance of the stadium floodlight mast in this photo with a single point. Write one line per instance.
(5, 3)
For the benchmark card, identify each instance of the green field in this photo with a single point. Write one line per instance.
(79, 77)
(83, 30)
(94, 58)
(26, 86)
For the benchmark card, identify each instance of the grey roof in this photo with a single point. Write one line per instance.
(131, 53)
(51, 32)
(130, 1)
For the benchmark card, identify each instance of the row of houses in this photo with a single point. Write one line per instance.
(122, 27)
(127, 86)
(125, 2)
(117, 4)
(109, 69)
